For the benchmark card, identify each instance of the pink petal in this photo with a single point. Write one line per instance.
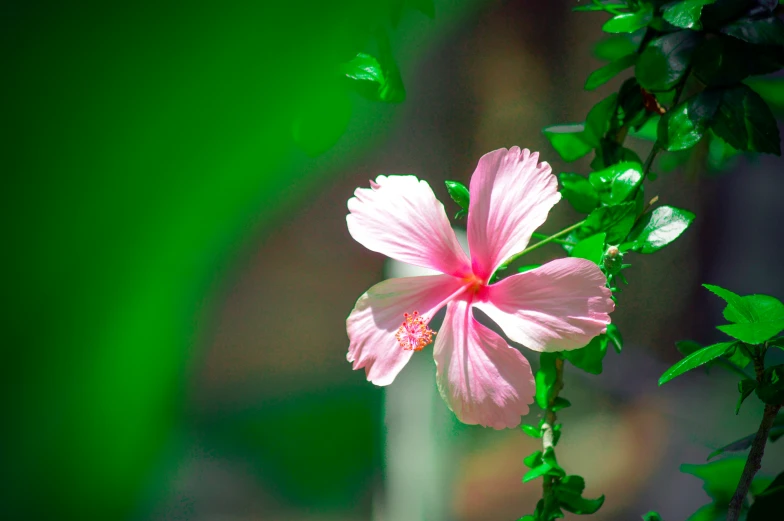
(400, 217)
(511, 196)
(378, 314)
(560, 305)
(481, 378)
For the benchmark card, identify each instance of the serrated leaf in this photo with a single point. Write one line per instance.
(590, 357)
(771, 387)
(545, 378)
(745, 388)
(578, 191)
(459, 193)
(665, 60)
(745, 122)
(694, 360)
(684, 125)
(758, 308)
(628, 22)
(659, 228)
(685, 14)
(754, 333)
(759, 31)
(617, 220)
(615, 337)
(570, 141)
(601, 76)
(737, 309)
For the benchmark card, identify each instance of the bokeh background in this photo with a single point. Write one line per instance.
(177, 271)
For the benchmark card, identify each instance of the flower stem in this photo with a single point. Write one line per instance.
(551, 238)
(548, 431)
(753, 463)
(557, 241)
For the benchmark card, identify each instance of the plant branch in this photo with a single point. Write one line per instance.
(548, 431)
(557, 241)
(646, 168)
(551, 238)
(753, 463)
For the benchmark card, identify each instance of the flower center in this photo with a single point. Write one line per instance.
(414, 333)
(473, 283)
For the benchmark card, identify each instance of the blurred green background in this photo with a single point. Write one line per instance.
(176, 269)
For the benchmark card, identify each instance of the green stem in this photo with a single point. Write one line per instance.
(551, 238)
(557, 241)
(548, 432)
(646, 168)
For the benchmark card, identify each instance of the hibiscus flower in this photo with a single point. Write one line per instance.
(561, 305)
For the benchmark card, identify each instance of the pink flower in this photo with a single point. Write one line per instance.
(558, 306)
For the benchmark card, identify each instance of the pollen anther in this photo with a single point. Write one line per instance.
(414, 333)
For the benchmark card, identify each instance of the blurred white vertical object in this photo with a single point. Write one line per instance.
(419, 448)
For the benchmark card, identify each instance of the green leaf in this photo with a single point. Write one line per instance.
(589, 358)
(459, 194)
(578, 191)
(759, 31)
(745, 122)
(758, 308)
(665, 60)
(696, 359)
(651, 516)
(625, 182)
(527, 267)
(570, 141)
(745, 442)
(614, 47)
(687, 347)
(754, 333)
(591, 248)
(685, 14)
(597, 122)
(737, 310)
(767, 504)
(649, 130)
(601, 76)
(659, 228)
(569, 494)
(617, 220)
(548, 467)
(534, 432)
(771, 388)
(392, 91)
(771, 90)
(560, 403)
(738, 357)
(722, 61)
(684, 125)
(533, 460)
(545, 378)
(614, 336)
(720, 478)
(745, 388)
(377, 79)
(629, 22)
(321, 121)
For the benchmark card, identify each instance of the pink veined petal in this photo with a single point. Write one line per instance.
(481, 378)
(511, 195)
(559, 306)
(400, 217)
(378, 314)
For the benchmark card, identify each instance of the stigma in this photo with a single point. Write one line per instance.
(414, 334)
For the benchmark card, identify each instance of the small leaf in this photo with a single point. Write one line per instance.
(534, 432)
(685, 14)
(696, 359)
(548, 467)
(545, 378)
(569, 494)
(626, 182)
(617, 220)
(665, 60)
(614, 47)
(615, 337)
(578, 191)
(759, 31)
(459, 194)
(560, 403)
(589, 358)
(771, 388)
(683, 126)
(591, 249)
(628, 22)
(659, 228)
(745, 122)
(597, 122)
(601, 76)
(570, 141)
(745, 388)
(533, 460)
(651, 516)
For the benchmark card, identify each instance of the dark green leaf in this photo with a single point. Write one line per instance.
(686, 13)
(684, 125)
(720, 478)
(591, 248)
(723, 61)
(560, 403)
(616, 220)
(629, 22)
(578, 191)
(665, 60)
(651, 516)
(569, 494)
(459, 193)
(759, 31)
(771, 90)
(745, 122)
(696, 359)
(589, 358)
(545, 378)
(687, 347)
(615, 337)
(610, 153)
(570, 141)
(777, 342)
(649, 130)
(631, 106)
(659, 228)
(745, 388)
(723, 11)
(601, 76)
(597, 122)
(767, 504)
(771, 389)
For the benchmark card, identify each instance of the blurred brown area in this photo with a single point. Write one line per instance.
(494, 81)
